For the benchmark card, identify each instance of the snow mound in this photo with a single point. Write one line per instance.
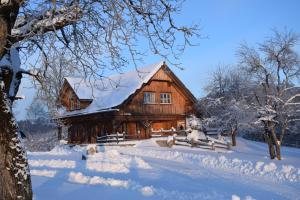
(147, 191)
(249, 198)
(112, 161)
(285, 173)
(235, 165)
(53, 163)
(269, 168)
(78, 177)
(235, 197)
(46, 173)
(109, 161)
(58, 150)
(196, 135)
(140, 163)
(107, 167)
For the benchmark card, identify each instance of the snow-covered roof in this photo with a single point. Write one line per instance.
(112, 91)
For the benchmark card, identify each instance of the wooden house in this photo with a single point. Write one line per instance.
(137, 103)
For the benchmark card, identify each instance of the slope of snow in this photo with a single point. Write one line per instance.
(147, 171)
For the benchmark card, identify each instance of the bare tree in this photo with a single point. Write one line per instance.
(95, 34)
(37, 110)
(230, 82)
(227, 115)
(219, 81)
(225, 106)
(49, 85)
(274, 65)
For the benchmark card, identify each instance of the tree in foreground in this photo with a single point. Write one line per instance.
(95, 35)
(274, 66)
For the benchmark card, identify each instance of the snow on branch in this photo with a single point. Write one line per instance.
(270, 118)
(291, 88)
(44, 22)
(289, 101)
(275, 98)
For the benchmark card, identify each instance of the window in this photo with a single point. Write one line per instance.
(165, 98)
(149, 97)
(78, 105)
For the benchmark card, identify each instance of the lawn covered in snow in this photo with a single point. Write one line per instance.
(147, 171)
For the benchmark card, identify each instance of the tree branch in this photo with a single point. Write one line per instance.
(44, 22)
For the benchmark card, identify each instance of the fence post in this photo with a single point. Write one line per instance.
(117, 137)
(213, 146)
(228, 145)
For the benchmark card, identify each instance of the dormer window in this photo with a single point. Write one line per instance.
(149, 97)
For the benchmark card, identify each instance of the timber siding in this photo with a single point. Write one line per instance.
(160, 83)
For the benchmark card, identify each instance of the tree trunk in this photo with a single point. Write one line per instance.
(270, 145)
(276, 143)
(233, 137)
(15, 180)
(278, 153)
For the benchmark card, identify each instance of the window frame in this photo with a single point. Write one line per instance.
(164, 96)
(153, 98)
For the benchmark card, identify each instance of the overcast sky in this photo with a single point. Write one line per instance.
(226, 23)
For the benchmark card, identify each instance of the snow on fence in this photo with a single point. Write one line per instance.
(117, 137)
(208, 143)
(191, 138)
(201, 139)
(216, 131)
(166, 132)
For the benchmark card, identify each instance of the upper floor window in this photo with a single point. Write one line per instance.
(149, 97)
(165, 98)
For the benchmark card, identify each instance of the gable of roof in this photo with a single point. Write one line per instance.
(182, 85)
(178, 83)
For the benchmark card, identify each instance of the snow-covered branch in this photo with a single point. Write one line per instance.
(289, 101)
(44, 22)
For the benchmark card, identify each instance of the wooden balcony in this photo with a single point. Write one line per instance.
(156, 109)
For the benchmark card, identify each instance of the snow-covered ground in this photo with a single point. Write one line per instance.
(147, 171)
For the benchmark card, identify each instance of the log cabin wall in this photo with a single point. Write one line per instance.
(85, 129)
(88, 131)
(160, 83)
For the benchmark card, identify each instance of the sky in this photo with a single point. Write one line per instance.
(224, 25)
